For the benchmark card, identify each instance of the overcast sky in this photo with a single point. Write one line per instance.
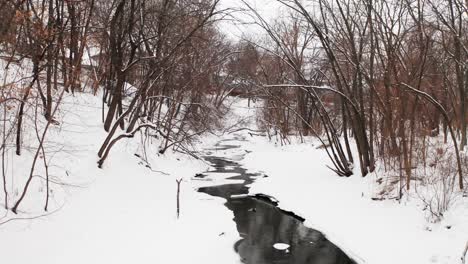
(269, 9)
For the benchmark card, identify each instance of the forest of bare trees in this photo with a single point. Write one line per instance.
(390, 76)
(379, 83)
(273, 131)
(158, 66)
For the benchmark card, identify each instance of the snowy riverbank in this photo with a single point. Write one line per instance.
(376, 232)
(123, 213)
(126, 212)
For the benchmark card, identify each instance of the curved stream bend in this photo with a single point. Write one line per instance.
(262, 225)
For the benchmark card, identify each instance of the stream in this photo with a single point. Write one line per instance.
(268, 234)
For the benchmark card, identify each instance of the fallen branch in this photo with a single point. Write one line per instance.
(30, 218)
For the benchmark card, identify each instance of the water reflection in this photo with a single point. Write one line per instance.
(261, 225)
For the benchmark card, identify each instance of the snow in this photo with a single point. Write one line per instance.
(281, 246)
(238, 196)
(123, 213)
(369, 231)
(126, 212)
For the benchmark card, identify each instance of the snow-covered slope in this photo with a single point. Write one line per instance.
(123, 213)
(374, 232)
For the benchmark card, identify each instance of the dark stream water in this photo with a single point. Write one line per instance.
(261, 224)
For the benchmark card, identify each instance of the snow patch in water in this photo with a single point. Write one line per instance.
(281, 246)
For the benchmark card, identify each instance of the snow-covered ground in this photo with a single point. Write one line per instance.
(126, 212)
(376, 232)
(123, 213)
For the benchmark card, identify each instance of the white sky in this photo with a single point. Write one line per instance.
(269, 9)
